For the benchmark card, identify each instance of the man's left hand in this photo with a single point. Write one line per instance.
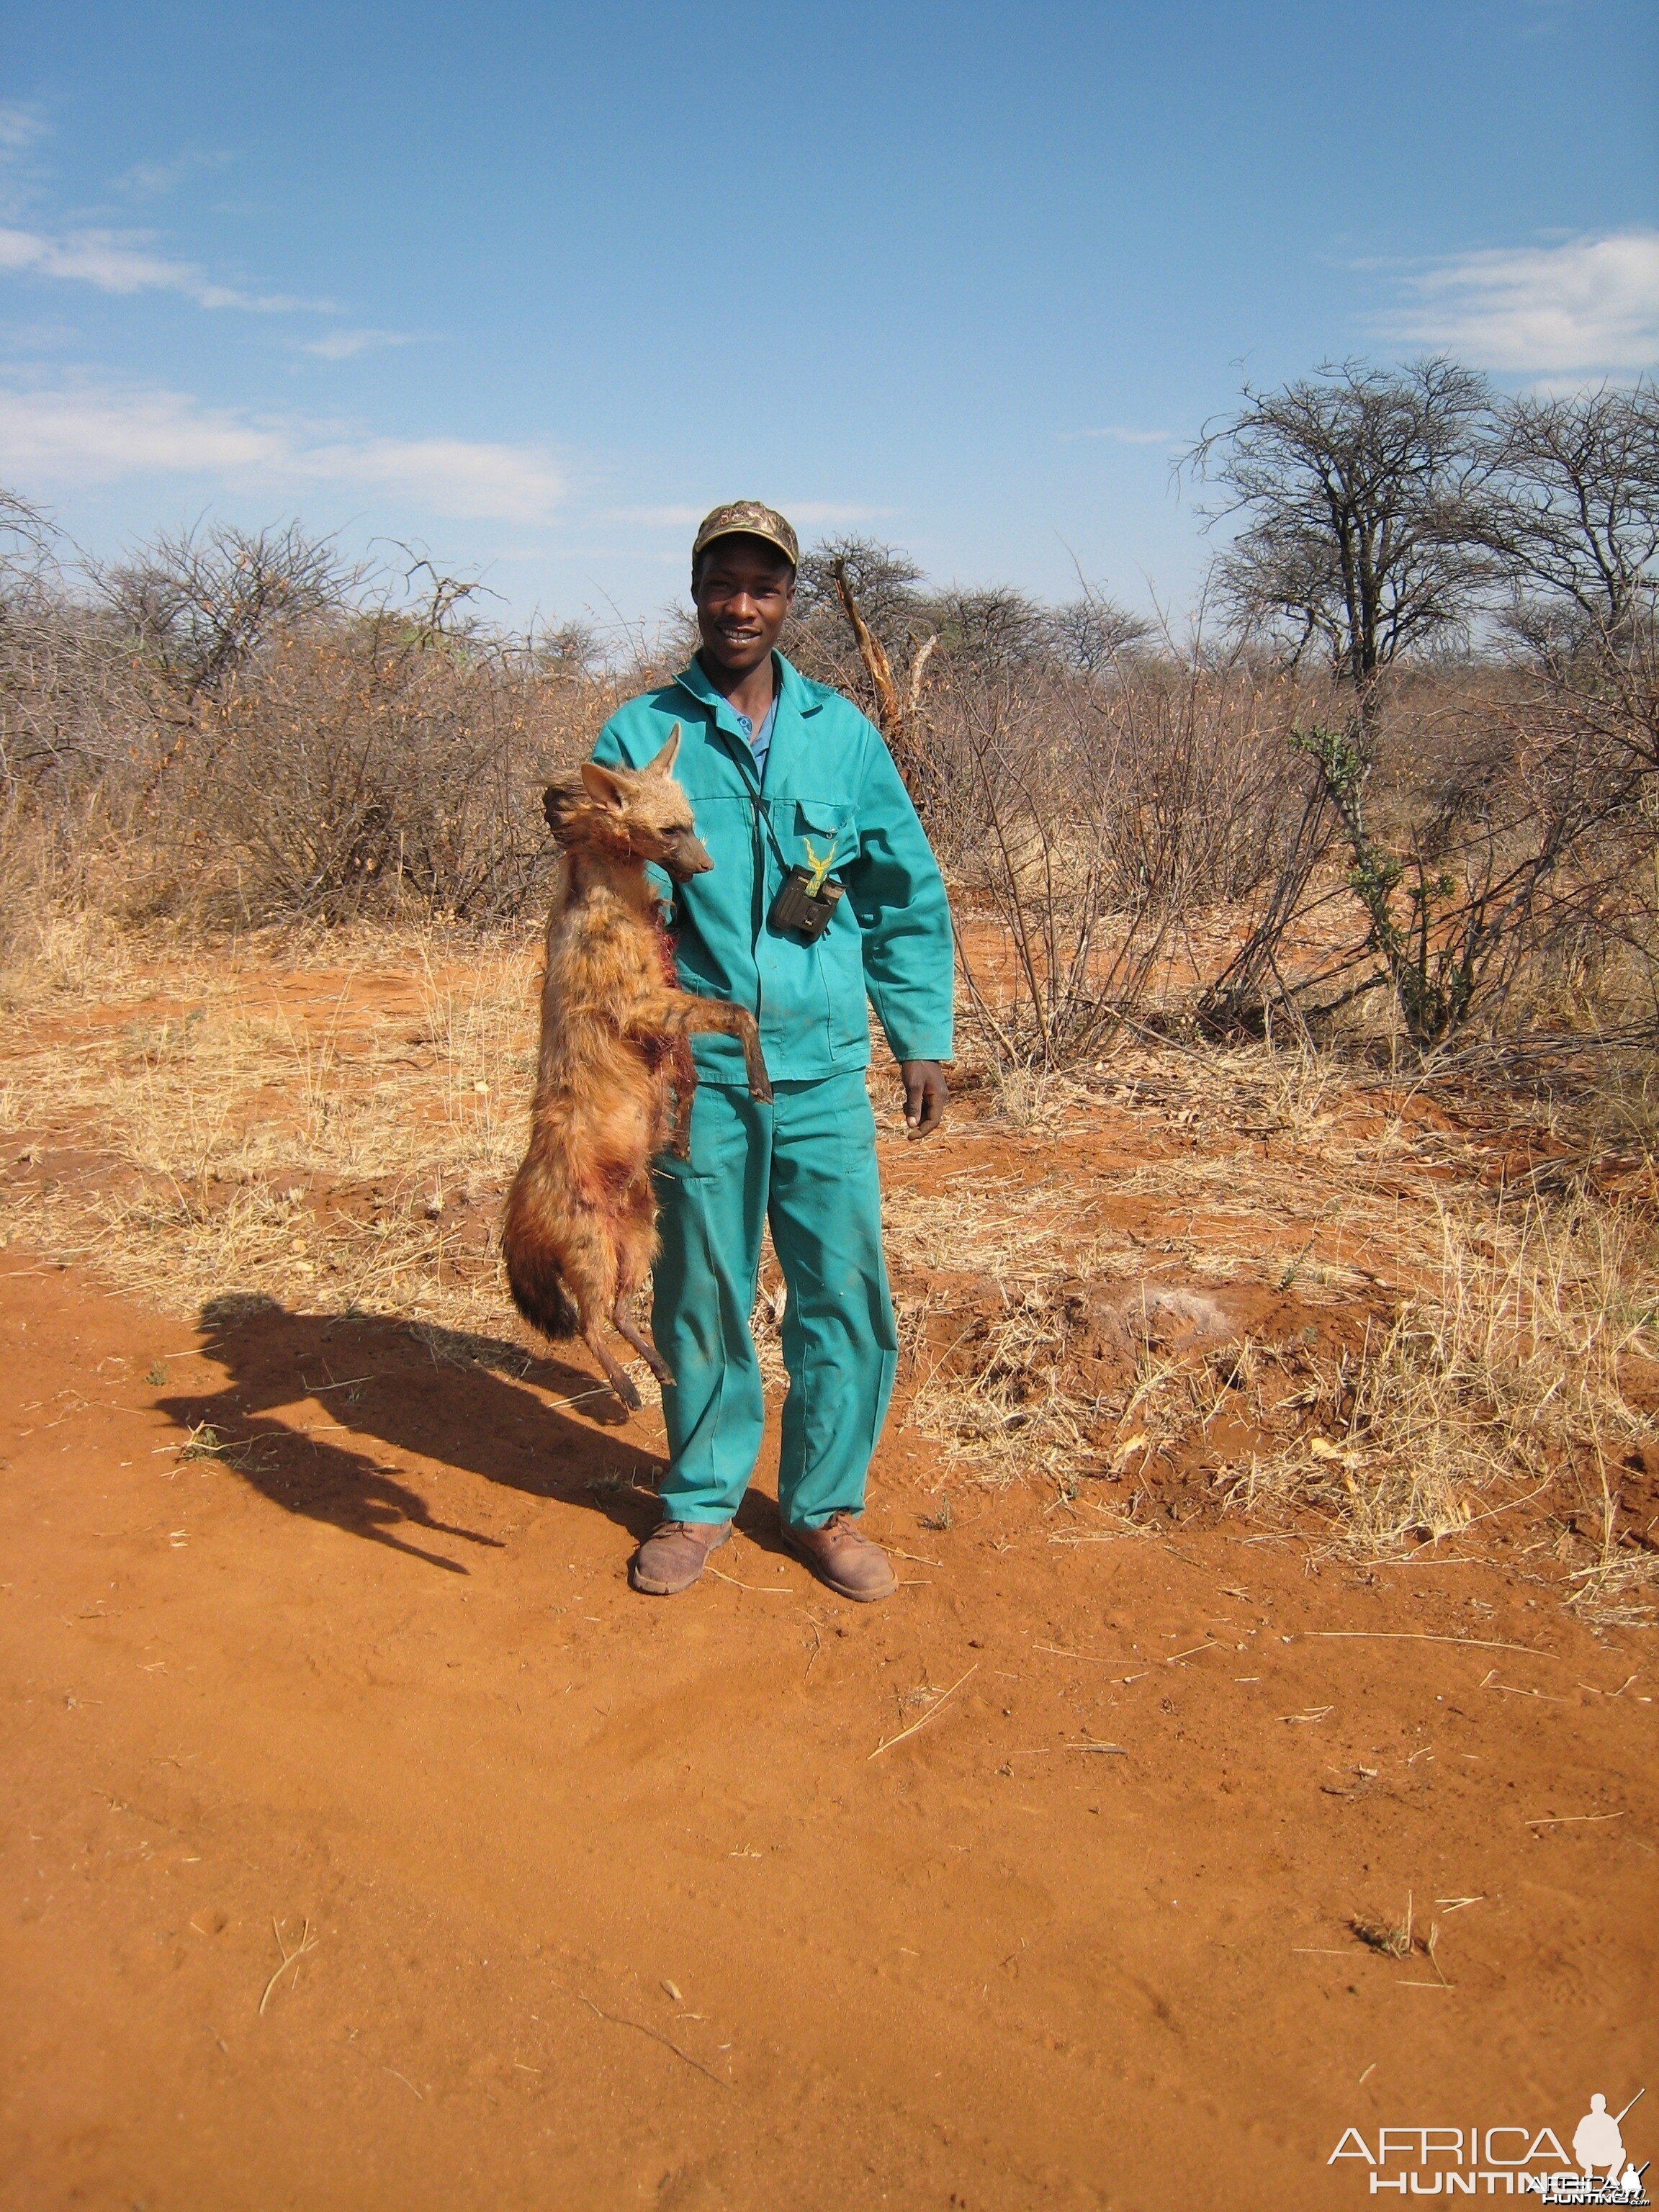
(926, 1095)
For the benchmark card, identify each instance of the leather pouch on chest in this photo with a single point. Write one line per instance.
(805, 904)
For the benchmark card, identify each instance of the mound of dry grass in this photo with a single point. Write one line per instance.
(1527, 1364)
(1317, 1305)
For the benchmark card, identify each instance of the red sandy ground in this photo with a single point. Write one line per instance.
(606, 1901)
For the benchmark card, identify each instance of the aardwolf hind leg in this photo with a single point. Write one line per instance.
(620, 1383)
(627, 1327)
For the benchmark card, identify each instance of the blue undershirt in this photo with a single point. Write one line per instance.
(760, 740)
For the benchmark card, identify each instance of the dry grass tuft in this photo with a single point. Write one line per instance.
(1393, 1939)
(1249, 1283)
(985, 1266)
(296, 1134)
(1397, 1940)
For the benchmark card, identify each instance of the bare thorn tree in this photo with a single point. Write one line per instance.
(1093, 634)
(1355, 488)
(198, 603)
(883, 582)
(1573, 519)
(26, 539)
(872, 588)
(1573, 523)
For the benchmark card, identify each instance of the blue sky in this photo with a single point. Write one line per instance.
(533, 286)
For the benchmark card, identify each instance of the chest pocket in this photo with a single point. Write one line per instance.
(823, 834)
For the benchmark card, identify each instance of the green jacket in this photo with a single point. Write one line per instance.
(829, 776)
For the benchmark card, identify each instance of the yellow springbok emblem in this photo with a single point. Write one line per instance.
(821, 866)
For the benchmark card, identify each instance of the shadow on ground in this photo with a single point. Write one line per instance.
(411, 1388)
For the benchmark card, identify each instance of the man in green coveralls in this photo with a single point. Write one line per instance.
(784, 775)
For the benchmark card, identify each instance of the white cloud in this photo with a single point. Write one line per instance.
(89, 437)
(92, 435)
(452, 475)
(1585, 304)
(119, 261)
(21, 130)
(346, 345)
(21, 127)
(1119, 434)
(148, 180)
(122, 262)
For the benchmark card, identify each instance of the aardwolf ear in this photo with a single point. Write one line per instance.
(603, 786)
(664, 763)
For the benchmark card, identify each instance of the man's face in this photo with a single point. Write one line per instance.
(743, 590)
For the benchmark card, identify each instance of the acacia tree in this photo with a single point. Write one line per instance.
(198, 603)
(1573, 524)
(1365, 498)
(1357, 492)
(1573, 517)
(882, 583)
(1094, 636)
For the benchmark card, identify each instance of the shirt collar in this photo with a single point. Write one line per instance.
(792, 691)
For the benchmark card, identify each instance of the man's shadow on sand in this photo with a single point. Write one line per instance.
(414, 1388)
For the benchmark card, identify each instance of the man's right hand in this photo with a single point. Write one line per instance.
(926, 1094)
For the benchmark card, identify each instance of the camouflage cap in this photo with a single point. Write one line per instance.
(747, 518)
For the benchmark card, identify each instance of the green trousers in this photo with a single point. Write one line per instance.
(806, 1165)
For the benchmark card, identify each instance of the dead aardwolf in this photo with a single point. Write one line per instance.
(581, 1230)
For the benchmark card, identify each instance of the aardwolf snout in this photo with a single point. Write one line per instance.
(686, 856)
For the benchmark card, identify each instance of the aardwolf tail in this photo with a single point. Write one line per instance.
(532, 1267)
(541, 1296)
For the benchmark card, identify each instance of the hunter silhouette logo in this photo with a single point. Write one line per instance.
(1512, 2161)
(1599, 2147)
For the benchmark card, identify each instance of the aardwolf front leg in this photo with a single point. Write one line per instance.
(683, 1013)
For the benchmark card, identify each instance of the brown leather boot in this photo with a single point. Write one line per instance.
(674, 1554)
(837, 1555)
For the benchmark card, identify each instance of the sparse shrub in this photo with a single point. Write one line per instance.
(1340, 822)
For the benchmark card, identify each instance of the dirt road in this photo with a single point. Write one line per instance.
(590, 1900)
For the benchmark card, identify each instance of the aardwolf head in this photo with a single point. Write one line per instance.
(639, 814)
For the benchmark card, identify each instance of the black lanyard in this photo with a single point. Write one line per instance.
(805, 904)
(750, 773)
